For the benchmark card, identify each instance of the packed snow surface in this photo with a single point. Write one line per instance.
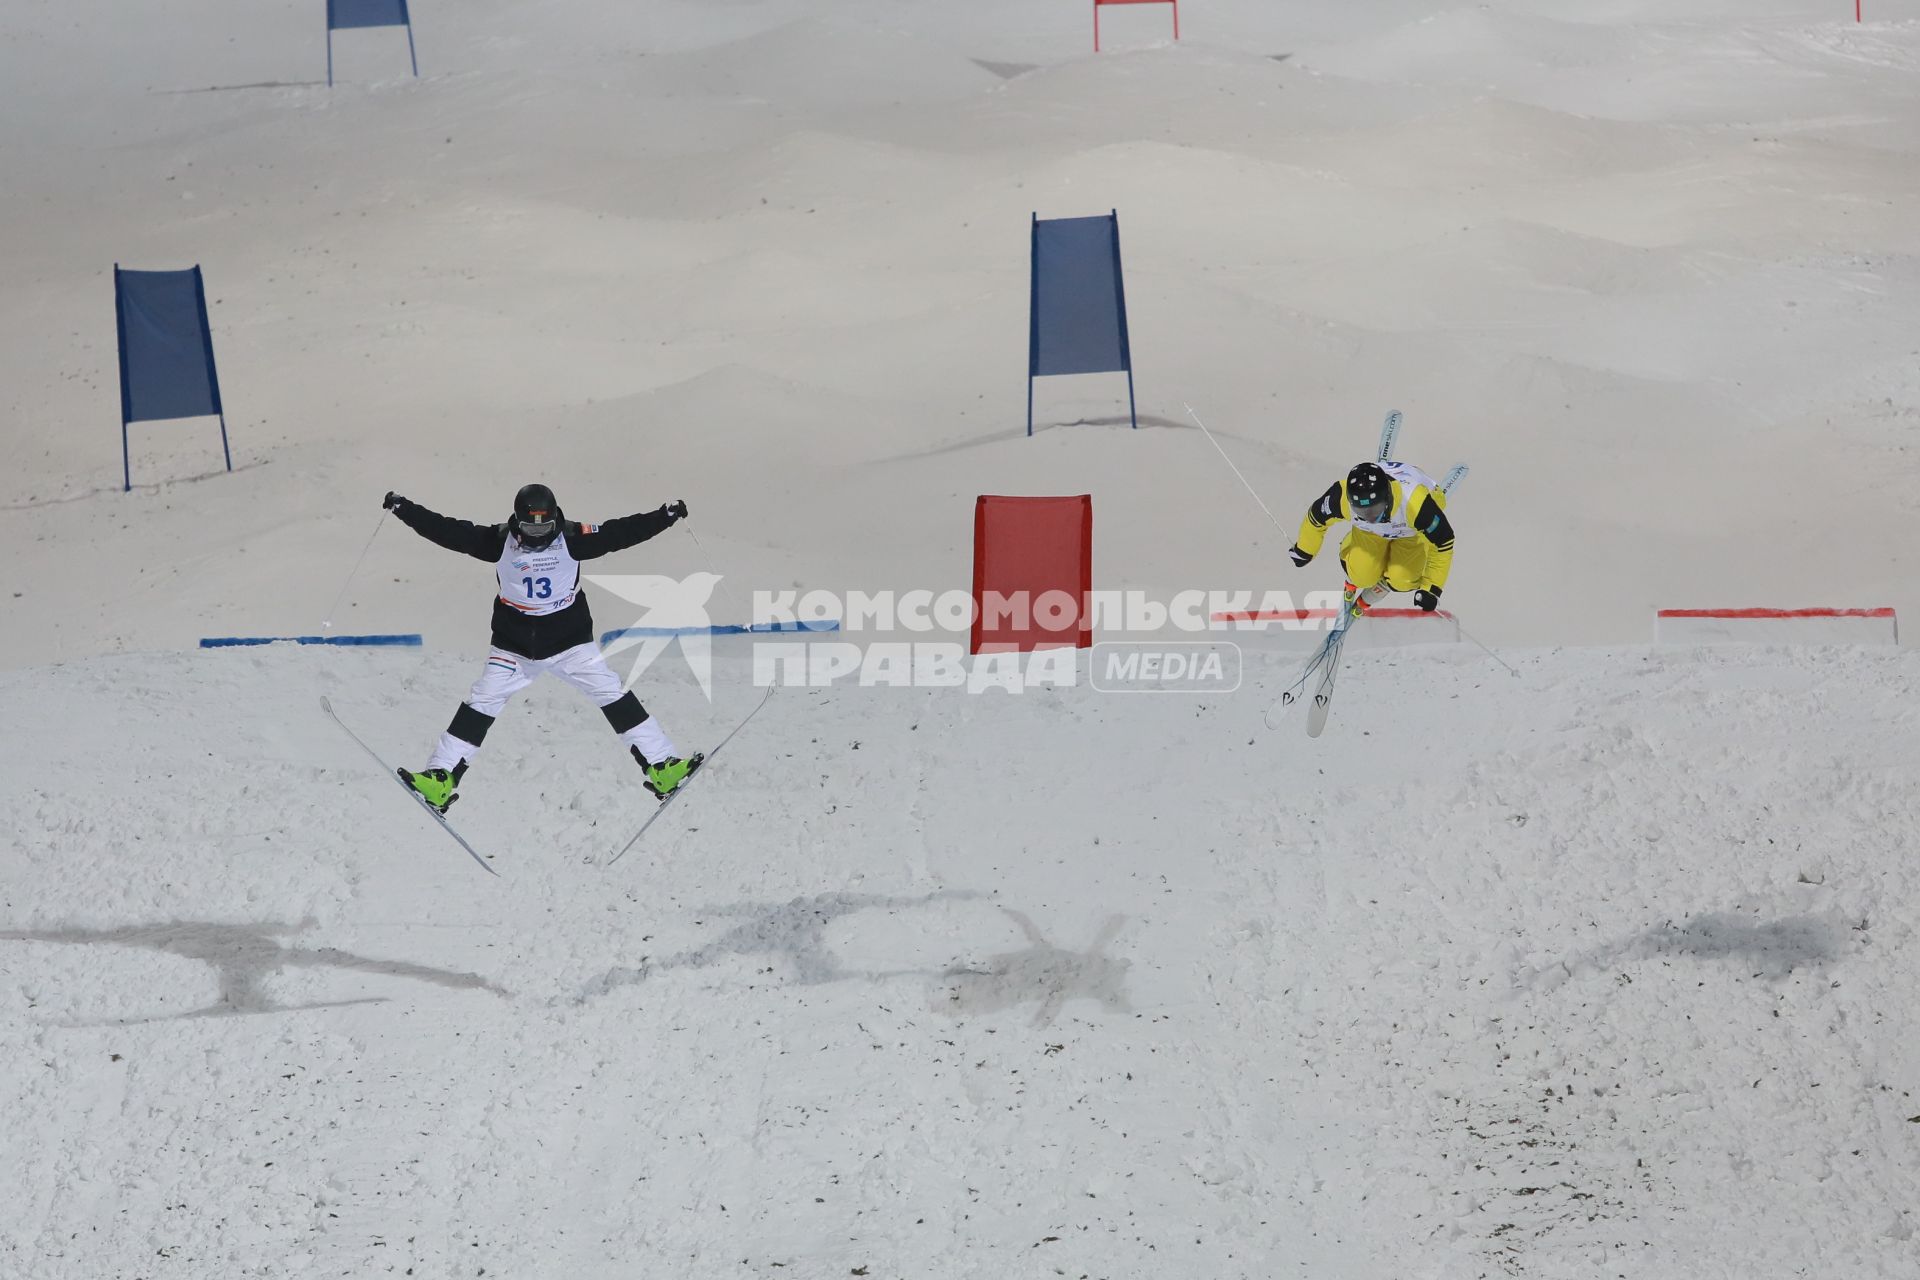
(1606, 968)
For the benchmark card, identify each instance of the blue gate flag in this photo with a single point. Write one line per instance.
(409, 641)
(344, 15)
(166, 353)
(1077, 316)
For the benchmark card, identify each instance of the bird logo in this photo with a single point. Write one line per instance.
(672, 611)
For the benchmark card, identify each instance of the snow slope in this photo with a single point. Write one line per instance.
(1619, 983)
(1550, 234)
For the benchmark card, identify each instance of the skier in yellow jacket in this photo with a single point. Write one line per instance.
(1400, 540)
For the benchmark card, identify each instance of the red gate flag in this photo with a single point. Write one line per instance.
(1032, 573)
(1096, 16)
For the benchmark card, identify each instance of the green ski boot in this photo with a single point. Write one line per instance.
(435, 786)
(664, 779)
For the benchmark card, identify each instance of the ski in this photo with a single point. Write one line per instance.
(1291, 694)
(1323, 693)
(1329, 672)
(1354, 605)
(1324, 660)
(1454, 477)
(417, 798)
(705, 760)
(1389, 433)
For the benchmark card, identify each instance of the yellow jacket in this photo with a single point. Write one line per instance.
(1428, 523)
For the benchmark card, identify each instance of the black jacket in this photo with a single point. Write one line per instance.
(516, 632)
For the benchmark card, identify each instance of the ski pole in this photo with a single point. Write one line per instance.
(1236, 470)
(378, 525)
(764, 698)
(1490, 653)
(725, 589)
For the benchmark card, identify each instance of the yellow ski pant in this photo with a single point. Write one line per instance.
(1368, 557)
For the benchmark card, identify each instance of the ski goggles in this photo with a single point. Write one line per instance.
(1368, 508)
(531, 528)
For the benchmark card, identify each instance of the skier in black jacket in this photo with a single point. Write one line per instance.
(541, 624)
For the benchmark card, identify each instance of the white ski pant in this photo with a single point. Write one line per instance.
(582, 667)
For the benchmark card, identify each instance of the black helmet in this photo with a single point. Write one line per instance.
(1369, 492)
(536, 516)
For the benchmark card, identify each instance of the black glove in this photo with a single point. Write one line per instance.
(676, 510)
(392, 501)
(1428, 598)
(1300, 558)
